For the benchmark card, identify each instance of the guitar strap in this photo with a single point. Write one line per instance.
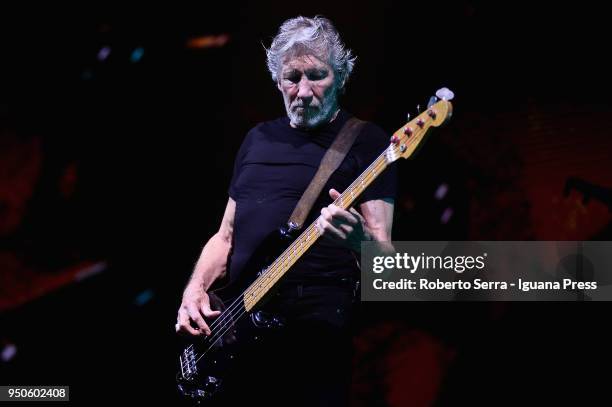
(331, 161)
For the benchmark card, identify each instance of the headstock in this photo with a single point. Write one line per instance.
(406, 139)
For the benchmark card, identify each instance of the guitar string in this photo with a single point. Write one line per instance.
(367, 176)
(282, 262)
(364, 177)
(271, 281)
(287, 253)
(241, 312)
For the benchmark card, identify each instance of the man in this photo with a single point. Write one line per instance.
(275, 164)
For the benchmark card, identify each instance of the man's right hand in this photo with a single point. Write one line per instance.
(194, 308)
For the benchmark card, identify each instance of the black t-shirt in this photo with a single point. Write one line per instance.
(273, 168)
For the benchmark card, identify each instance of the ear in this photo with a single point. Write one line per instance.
(278, 85)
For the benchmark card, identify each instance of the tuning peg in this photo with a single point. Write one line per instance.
(445, 94)
(432, 101)
(419, 109)
(408, 117)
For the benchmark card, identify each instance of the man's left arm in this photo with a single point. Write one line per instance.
(377, 216)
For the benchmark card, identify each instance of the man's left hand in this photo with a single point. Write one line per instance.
(348, 228)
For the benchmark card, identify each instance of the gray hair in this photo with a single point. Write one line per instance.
(317, 35)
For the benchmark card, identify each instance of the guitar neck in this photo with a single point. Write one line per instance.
(260, 287)
(403, 144)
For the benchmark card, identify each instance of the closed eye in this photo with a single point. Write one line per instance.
(292, 78)
(317, 75)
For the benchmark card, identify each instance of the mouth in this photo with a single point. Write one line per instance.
(303, 108)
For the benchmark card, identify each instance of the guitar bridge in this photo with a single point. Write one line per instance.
(188, 364)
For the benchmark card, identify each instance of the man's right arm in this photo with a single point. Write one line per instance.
(211, 265)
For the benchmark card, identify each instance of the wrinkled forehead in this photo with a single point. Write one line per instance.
(303, 58)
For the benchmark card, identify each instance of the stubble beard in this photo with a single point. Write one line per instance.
(311, 116)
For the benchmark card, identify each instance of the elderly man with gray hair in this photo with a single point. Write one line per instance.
(308, 362)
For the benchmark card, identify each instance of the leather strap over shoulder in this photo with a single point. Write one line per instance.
(330, 163)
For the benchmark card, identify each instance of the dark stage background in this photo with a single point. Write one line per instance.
(118, 130)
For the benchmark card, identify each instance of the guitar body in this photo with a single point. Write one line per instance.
(205, 379)
(202, 378)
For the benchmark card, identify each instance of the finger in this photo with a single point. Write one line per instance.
(183, 326)
(334, 194)
(331, 231)
(357, 215)
(329, 228)
(326, 214)
(196, 317)
(347, 229)
(208, 312)
(339, 214)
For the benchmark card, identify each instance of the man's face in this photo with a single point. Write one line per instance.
(309, 90)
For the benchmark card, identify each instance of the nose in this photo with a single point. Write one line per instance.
(305, 90)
